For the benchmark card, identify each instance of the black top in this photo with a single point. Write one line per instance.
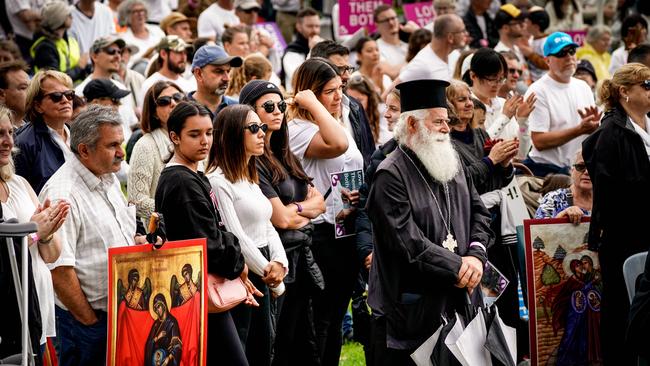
(184, 199)
(288, 191)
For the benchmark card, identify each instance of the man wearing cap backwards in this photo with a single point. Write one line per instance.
(565, 111)
(247, 11)
(431, 229)
(211, 67)
(172, 57)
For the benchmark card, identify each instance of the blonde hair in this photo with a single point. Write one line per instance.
(255, 66)
(453, 90)
(7, 171)
(626, 76)
(34, 90)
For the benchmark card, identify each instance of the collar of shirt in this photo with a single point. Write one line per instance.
(90, 179)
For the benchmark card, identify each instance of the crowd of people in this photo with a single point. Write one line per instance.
(113, 111)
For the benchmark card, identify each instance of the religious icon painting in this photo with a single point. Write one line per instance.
(157, 310)
(564, 293)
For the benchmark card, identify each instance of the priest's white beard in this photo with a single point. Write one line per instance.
(436, 153)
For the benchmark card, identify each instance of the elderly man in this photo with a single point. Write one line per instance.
(99, 219)
(431, 229)
(565, 111)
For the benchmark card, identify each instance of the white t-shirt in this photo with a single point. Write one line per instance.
(16, 6)
(159, 9)
(557, 109)
(155, 35)
(393, 54)
(20, 205)
(301, 132)
(127, 109)
(425, 65)
(212, 21)
(291, 62)
(188, 85)
(619, 58)
(86, 30)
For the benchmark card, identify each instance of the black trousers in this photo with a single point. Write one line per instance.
(379, 354)
(295, 340)
(224, 347)
(337, 259)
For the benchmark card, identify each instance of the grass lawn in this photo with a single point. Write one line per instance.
(352, 355)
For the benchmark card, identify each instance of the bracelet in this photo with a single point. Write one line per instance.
(298, 205)
(47, 240)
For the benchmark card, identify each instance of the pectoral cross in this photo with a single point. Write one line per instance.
(450, 243)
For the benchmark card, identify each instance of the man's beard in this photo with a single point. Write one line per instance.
(436, 153)
(221, 89)
(178, 68)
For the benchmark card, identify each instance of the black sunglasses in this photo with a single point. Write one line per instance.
(580, 167)
(250, 11)
(346, 68)
(58, 96)
(255, 128)
(167, 100)
(514, 71)
(112, 51)
(645, 84)
(565, 51)
(269, 106)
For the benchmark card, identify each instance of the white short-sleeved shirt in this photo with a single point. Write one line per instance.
(155, 35)
(425, 65)
(20, 205)
(157, 10)
(301, 132)
(393, 54)
(619, 58)
(291, 62)
(99, 219)
(187, 85)
(557, 109)
(16, 6)
(212, 21)
(86, 30)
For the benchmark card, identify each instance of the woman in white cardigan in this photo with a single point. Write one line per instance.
(154, 148)
(246, 212)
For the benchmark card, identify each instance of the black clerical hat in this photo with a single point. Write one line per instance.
(422, 94)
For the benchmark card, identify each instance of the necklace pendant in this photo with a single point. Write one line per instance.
(450, 243)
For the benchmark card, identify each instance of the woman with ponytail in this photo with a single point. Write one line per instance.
(255, 67)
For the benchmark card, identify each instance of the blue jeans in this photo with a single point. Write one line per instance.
(79, 344)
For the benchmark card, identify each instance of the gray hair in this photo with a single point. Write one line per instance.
(85, 128)
(124, 11)
(597, 31)
(400, 131)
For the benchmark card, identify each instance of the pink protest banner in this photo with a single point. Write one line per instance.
(578, 36)
(420, 13)
(272, 28)
(355, 14)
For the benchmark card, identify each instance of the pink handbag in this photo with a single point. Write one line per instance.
(225, 294)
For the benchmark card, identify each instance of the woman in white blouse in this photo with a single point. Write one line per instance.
(154, 148)
(19, 201)
(238, 139)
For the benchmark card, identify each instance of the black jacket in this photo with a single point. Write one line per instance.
(476, 33)
(39, 156)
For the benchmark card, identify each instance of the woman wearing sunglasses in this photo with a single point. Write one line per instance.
(238, 142)
(324, 145)
(295, 202)
(44, 143)
(186, 200)
(153, 150)
(616, 155)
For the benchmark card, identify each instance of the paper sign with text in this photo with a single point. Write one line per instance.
(420, 13)
(355, 15)
(578, 36)
(272, 28)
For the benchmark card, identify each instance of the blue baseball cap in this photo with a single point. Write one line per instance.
(556, 42)
(214, 55)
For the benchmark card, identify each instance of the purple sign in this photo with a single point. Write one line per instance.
(420, 13)
(271, 28)
(357, 14)
(578, 36)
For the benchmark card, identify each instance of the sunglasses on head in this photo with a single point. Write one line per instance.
(269, 106)
(645, 84)
(565, 51)
(167, 100)
(112, 51)
(580, 167)
(255, 128)
(58, 96)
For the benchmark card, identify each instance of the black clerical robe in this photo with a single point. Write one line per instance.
(412, 276)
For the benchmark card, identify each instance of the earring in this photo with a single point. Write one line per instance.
(627, 99)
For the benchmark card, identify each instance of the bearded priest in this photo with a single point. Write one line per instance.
(430, 227)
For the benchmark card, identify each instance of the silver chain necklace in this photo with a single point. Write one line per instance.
(449, 243)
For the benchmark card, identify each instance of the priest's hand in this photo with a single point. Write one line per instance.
(471, 271)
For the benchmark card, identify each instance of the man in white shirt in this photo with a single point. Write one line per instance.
(24, 16)
(106, 57)
(212, 21)
(13, 89)
(634, 31)
(90, 20)
(391, 49)
(565, 110)
(509, 22)
(431, 62)
(99, 218)
(307, 35)
(159, 9)
(172, 58)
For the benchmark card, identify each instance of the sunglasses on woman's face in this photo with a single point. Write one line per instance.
(645, 84)
(580, 167)
(269, 106)
(255, 128)
(167, 100)
(58, 96)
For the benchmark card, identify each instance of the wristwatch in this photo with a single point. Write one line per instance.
(298, 205)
